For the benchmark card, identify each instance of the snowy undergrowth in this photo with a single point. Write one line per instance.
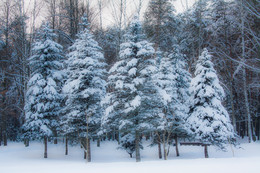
(16, 158)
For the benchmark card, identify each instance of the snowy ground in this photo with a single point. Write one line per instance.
(15, 158)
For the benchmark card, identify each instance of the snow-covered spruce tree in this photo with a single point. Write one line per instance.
(43, 97)
(129, 97)
(173, 82)
(208, 119)
(161, 23)
(85, 87)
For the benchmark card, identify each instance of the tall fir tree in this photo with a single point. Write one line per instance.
(194, 33)
(43, 97)
(208, 120)
(161, 24)
(130, 82)
(85, 87)
(173, 85)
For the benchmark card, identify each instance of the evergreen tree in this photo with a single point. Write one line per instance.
(161, 24)
(208, 120)
(173, 83)
(194, 33)
(180, 97)
(84, 88)
(43, 97)
(130, 82)
(223, 30)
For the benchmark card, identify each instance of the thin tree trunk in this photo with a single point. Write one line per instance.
(233, 107)
(66, 146)
(5, 138)
(258, 128)
(4, 135)
(26, 142)
(206, 151)
(0, 134)
(88, 151)
(159, 148)
(45, 147)
(164, 147)
(176, 146)
(85, 154)
(247, 108)
(55, 138)
(100, 14)
(137, 147)
(244, 72)
(98, 142)
(118, 137)
(88, 142)
(114, 135)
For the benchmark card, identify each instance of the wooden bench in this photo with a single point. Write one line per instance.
(197, 144)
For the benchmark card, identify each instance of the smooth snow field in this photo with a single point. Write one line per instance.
(15, 158)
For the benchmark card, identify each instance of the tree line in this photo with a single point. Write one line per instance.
(155, 75)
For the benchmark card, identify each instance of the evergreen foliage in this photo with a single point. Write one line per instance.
(208, 120)
(43, 97)
(130, 83)
(161, 24)
(84, 88)
(173, 82)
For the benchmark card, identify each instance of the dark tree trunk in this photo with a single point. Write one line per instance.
(206, 151)
(118, 137)
(176, 146)
(159, 148)
(45, 147)
(137, 147)
(1, 134)
(26, 142)
(85, 154)
(258, 128)
(55, 138)
(114, 135)
(66, 146)
(4, 135)
(98, 142)
(89, 151)
(5, 138)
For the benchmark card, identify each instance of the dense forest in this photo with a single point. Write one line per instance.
(153, 74)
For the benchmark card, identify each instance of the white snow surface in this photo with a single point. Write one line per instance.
(15, 158)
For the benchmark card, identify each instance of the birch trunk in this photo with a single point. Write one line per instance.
(244, 72)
